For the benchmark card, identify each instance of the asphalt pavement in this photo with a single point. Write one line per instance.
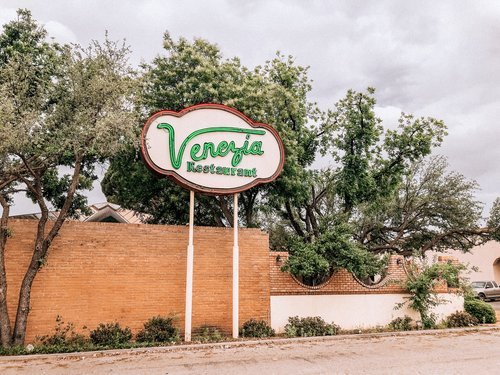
(459, 351)
(495, 304)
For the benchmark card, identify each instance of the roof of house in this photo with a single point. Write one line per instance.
(100, 212)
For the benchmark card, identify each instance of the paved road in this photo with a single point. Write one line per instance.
(496, 305)
(439, 353)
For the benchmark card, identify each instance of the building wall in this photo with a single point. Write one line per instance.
(353, 311)
(485, 259)
(347, 301)
(106, 272)
(341, 282)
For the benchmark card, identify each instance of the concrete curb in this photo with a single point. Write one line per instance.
(246, 343)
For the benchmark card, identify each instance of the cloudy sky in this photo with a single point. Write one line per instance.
(430, 58)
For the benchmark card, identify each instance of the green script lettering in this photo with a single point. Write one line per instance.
(223, 148)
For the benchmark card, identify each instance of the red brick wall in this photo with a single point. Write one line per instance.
(105, 272)
(342, 282)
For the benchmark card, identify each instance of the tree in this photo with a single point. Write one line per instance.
(62, 108)
(367, 168)
(373, 199)
(370, 165)
(195, 72)
(432, 210)
(385, 194)
(314, 261)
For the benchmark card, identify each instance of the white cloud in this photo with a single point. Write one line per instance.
(7, 15)
(60, 32)
(389, 116)
(439, 59)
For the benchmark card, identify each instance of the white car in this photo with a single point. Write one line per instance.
(486, 289)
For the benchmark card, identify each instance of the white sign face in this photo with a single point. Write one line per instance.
(212, 148)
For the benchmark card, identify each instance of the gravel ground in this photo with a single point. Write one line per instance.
(425, 352)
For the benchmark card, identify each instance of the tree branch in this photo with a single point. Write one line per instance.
(296, 226)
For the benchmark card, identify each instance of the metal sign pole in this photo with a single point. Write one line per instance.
(236, 267)
(189, 272)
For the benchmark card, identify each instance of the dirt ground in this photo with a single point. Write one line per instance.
(440, 352)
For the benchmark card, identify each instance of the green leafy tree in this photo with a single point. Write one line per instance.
(380, 194)
(421, 285)
(332, 250)
(62, 109)
(387, 189)
(432, 210)
(493, 223)
(195, 72)
(370, 165)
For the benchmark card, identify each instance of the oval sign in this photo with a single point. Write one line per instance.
(212, 148)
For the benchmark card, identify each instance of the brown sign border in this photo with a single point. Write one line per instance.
(200, 188)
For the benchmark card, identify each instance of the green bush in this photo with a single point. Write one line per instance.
(309, 326)
(483, 312)
(402, 324)
(256, 328)
(429, 321)
(461, 319)
(159, 329)
(110, 334)
(64, 336)
(420, 284)
(13, 350)
(208, 334)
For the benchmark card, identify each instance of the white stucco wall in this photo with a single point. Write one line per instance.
(352, 311)
(483, 257)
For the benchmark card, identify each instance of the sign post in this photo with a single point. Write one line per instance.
(189, 271)
(212, 149)
(236, 269)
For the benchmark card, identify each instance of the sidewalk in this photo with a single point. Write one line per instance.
(253, 343)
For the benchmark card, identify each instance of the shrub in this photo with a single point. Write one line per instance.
(309, 326)
(461, 319)
(402, 324)
(159, 329)
(420, 284)
(483, 312)
(256, 328)
(110, 334)
(64, 336)
(208, 334)
(13, 350)
(429, 321)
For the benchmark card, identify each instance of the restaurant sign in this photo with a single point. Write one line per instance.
(212, 148)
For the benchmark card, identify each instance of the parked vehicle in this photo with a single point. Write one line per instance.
(486, 289)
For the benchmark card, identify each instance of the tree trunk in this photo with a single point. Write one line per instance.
(248, 199)
(290, 216)
(226, 211)
(42, 244)
(23, 306)
(5, 327)
(312, 220)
